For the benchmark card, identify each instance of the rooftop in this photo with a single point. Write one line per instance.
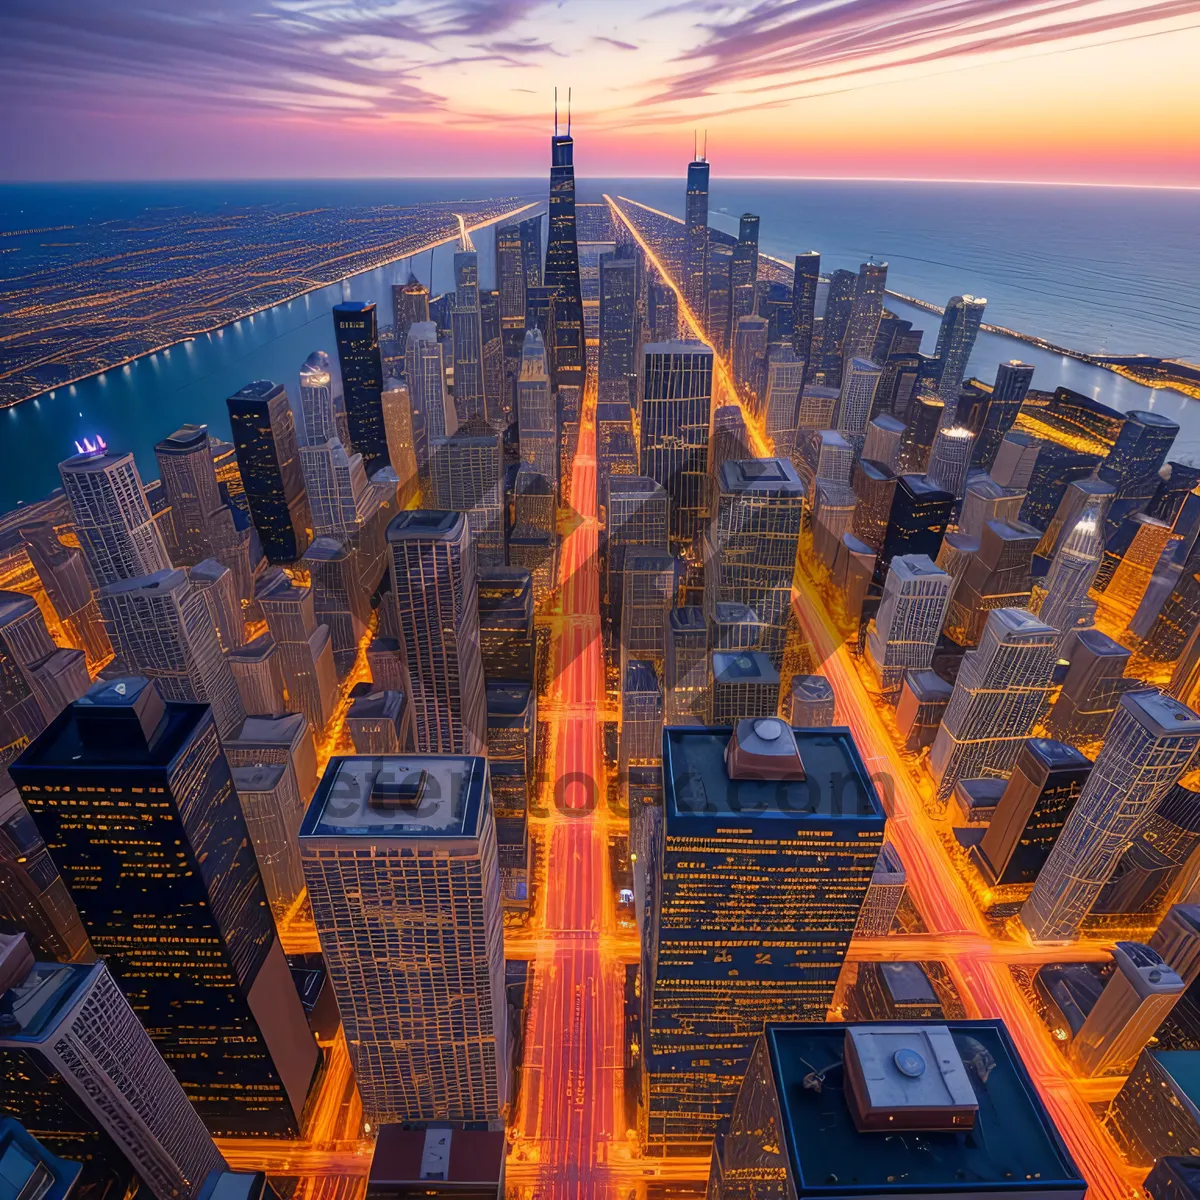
(262, 777)
(376, 705)
(640, 677)
(767, 476)
(915, 566)
(1056, 755)
(508, 698)
(30, 1010)
(260, 389)
(1161, 715)
(697, 786)
(678, 346)
(743, 666)
(1013, 1146)
(687, 620)
(445, 794)
(186, 437)
(426, 523)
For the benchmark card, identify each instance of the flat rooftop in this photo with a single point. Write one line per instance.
(1014, 1146)
(769, 476)
(38, 1002)
(697, 787)
(449, 806)
(425, 523)
(258, 778)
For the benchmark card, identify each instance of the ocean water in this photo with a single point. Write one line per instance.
(1110, 269)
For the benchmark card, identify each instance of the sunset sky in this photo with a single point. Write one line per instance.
(1096, 91)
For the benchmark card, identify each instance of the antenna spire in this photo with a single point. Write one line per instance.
(556, 112)
(568, 112)
(705, 155)
(695, 145)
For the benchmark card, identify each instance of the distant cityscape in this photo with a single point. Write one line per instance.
(644, 730)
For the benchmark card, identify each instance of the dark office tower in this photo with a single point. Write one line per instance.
(562, 266)
(619, 329)
(1179, 616)
(77, 1069)
(116, 530)
(695, 239)
(506, 635)
(510, 275)
(649, 583)
(185, 465)
(1149, 744)
(537, 419)
(839, 306)
(875, 487)
(718, 302)
(410, 304)
(264, 435)
(744, 275)
(676, 408)
(1148, 873)
(781, 403)
(751, 542)
(956, 340)
(616, 446)
(1008, 394)
(531, 250)
(357, 335)
(636, 519)
(753, 917)
(33, 898)
(339, 602)
(436, 596)
(838, 1132)
(750, 362)
(182, 918)
(1134, 462)
(920, 431)
(662, 312)
(467, 474)
(867, 311)
(730, 439)
(686, 667)
(804, 301)
(918, 520)
(1036, 803)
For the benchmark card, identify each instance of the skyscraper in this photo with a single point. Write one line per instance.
(335, 483)
(433, 414)
(531, 250)
(264, 434)
(1072, 571)
(357, 335)
(839, 305)
(950, 459)
(998, 697)
(1008, 394)
(906, 629)
(752, 917)
(562, 264)
(744, 278)
(399, 422)
(955, 341)
(785, 382)
(510, 276)
(869, 289)
(467, 337)
(860, 377)
(77, 1067)
(918, 520)
(401, 861)
(695, 239)
(181, 918)
(318, 412)
(649, 583)
(436, 596)
(185, 466)
(637, 518)
(753, 534)
(116, 530)
(537, 417)
(750, 360)
(686, 667)
(804, 301)
(619, 329)
(1149, 744)
(467, 474)
(165, 632)
(410, 305)
(675, 414)
(718, 304)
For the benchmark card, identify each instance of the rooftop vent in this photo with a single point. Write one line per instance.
(907, 1077)
(763, 748)
(398, 788)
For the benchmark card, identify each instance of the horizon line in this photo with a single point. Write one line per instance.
(1073, 183)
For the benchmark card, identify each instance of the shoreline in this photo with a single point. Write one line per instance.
(124, 362)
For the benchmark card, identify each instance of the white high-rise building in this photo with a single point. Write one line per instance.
(401, 861)
(425, 371)
(1149, 744)
(998, 697)
(467, 476)
(950, 459)
(1073, 570)
(906, 629)
(860, 379)
(71, 1022)
(785, 384)
(164, 630)
(336, 483)
(119, 536)
(318, 413)
(537, 421)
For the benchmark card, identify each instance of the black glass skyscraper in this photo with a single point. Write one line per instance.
(744, 280)
(618, 328)
(135, 801)
(357, 334)
(562, 265)
(695, 239)
(264, 438)
(804, 302)
(1008, 394)
(531, 250)
(839, 307)
(917, 523)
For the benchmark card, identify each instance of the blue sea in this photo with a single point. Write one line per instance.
(1098, 269)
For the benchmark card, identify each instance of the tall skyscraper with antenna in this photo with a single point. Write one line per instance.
(562, 258)
(695, 234)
